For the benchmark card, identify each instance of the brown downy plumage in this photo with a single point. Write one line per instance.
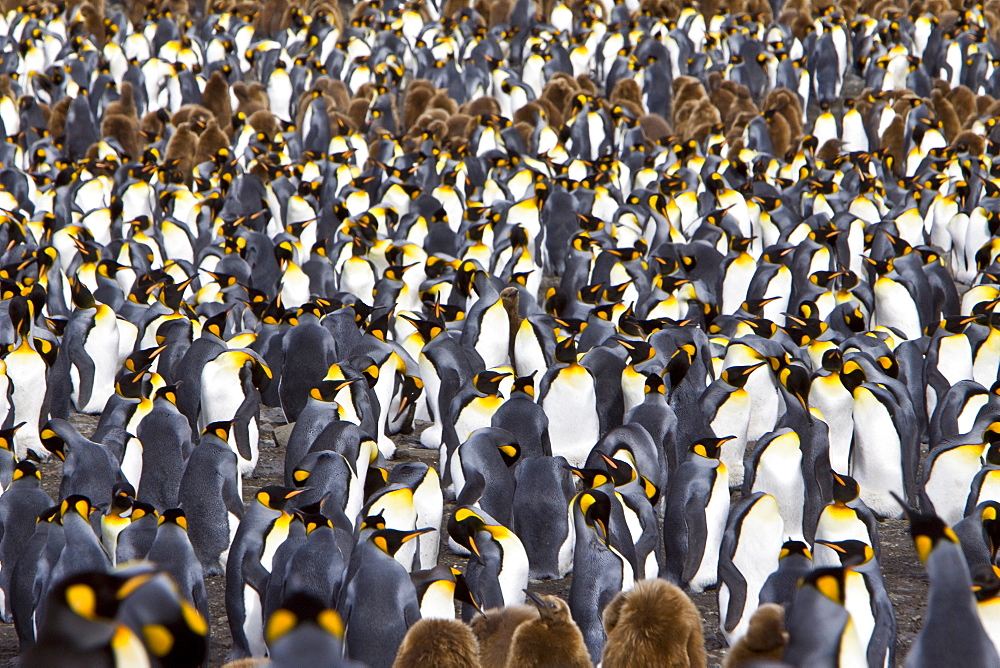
(969, 141)
(418, 96)
(627, 90)
(181, 151)
(963, 101)
(251, 98)
(357, 111)
(264, 121)
(268, 21)
(447, 643)
(215, 98)
(153, 125)
(945, 112)
(57, 120)
(779, 131)
(93, 22)
(458, 126)
(211, 141)
(654, 127)
(494, 630)
(553, 639)
(764, 641)
(653, 624)
(892, 142)
(485, 105)
(125, 130)
(191, 113)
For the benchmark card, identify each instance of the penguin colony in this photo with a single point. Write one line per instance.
(689, 295)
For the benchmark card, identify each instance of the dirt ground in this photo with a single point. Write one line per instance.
(904, 576)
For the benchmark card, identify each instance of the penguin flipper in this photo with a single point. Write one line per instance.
(697, 534)
(85, 368)
(738, 605)
(254, 573)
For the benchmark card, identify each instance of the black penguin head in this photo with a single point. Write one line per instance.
(638, 351)
(219, 429)
(76, 504)
(427, 329)
(326, 390)
(621, 472)
(827, 581)
(510, 451)
(390, 540)
(927, 530)
(565, 352)
(793, 547)
(7, 436)
(850, 552)
(122, 498)
(314, 521)
(737, 376)
(26, 469)
(141, 509)
(654, 384)
(81, 295)
(91, 596)
(141, 360)
(845, 488)
(299, 609)
(409, 393)
(174, 516)
(488, 382)
(168, 393)
(852, 375)
(275, 497)
(53, 442)
(595, 506)
(833, 360)
(985, 582)
(796, 379)
(710, 448)
(525, 385)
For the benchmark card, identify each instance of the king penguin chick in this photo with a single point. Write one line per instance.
(494, 630)
(764, 641)
(551, 640)
(654, 623)
(447, 643)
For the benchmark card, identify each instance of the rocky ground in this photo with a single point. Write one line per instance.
(904, 576)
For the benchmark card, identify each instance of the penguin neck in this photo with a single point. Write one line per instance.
(949, 577)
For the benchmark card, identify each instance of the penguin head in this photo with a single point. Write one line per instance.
(845, 488)
(595, 509)
(654, 384)
(550, 608)
(565, 352)
(140, 360)
(78, 504)
(796, 379)
(390, 540)
(621, 472)
(141, 510)
(122, 498)
(710, 448)
(850, 552)
(827, 581)
(7, 436)
(81, 609)
(275, 497)
(737, 376)
(427, 329)
(174, 516)
(167, 393)
(326, 390)
(81, 295)
(409, 392)
(488, 382)
(638, 351)
(525, 385)
(793, 547)
(985, 582)
(298, 610)
(928, 531)
(219, 429)
(53, 442)
(26, 469)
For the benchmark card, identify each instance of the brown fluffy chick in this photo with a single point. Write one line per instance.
(447, 643)
(553, 639)
(653, 624)
(765, 639)
(494, 630)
